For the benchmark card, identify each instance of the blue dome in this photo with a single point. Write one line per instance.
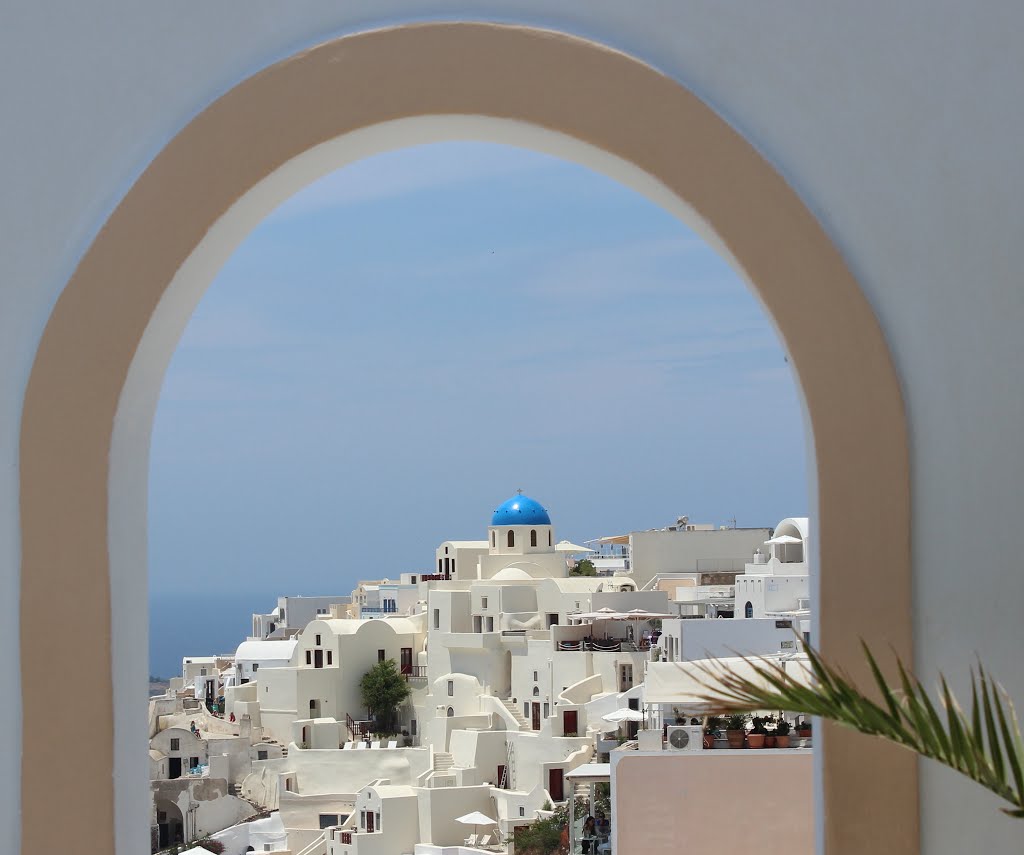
(521, 510)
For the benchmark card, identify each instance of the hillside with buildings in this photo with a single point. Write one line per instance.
(527, 687)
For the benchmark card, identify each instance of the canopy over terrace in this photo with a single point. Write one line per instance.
(684, 684)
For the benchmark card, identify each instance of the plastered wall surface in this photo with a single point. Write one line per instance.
(897, 129)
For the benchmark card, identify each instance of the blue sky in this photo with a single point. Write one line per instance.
(402, 345)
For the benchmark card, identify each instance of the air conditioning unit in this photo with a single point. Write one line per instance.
(686, 738)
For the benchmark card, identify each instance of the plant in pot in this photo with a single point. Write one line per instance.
(734, 730)
(803, 728)
(755, 739)
(782, 734)
(769, 727)
(712, 731)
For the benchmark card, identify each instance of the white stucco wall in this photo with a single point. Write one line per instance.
(900, 130)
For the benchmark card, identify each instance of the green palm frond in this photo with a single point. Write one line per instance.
(985, 745)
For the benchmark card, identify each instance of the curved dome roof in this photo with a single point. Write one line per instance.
(520, 510)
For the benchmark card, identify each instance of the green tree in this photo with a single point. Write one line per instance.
(584, 567)
(383, 691)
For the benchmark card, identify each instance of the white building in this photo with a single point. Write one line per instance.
(292, 614)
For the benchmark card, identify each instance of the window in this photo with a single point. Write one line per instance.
(533, 537)
(526, 709)
(414, 580)
(451, 712)
(534, 676)
(511, 538)
(748, 609)
(522, 810)
(362, 819)
(175, 745)
(492, 539)
(330, 657)
(439, 565)
(193, 762)
(329, 819)
(412, 727)
(483, 602)
(378, 820)
(536, 692)
(309, 657)
(261, 754)
(545, 710)
(437, 618)
(549, 537)
(451, 688)
(255, 667)
(490, 624)
(202, 672)
(318, 641)
(381, 655)
(453, 565)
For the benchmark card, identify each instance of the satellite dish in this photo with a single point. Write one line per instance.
(679, 738)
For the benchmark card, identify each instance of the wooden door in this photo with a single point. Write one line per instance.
(173, 767)
(569, 723)
(406, 660)
(318, 659)
(535, 716)
(556, 785)
(369, 821)
(500, 780)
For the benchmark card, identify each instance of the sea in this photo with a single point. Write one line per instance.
(199, 624)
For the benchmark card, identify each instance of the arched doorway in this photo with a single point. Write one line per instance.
(93, 387)
(170, 825)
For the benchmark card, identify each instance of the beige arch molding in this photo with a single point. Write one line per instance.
(579, 89)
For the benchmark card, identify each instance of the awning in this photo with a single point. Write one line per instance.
(591, 772)
(624, 714)
(684, 683)
(784, 538)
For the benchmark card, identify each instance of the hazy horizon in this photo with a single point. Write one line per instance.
(405, 343)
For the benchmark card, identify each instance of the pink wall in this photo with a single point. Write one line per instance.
(718, 802)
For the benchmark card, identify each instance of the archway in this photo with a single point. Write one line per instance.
(90, 398)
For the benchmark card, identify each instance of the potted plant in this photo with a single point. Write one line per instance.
(769, 727)
(803, 728)
(782, 734)
(734, 730)
(712, 730)
(755, 739)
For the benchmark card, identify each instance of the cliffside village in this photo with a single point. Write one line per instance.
(540, 673)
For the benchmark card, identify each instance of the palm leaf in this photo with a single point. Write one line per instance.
(984, 745)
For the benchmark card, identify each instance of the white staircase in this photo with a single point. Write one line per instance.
(443, 761)
(524, 723)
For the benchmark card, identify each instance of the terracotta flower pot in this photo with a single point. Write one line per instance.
(769, 740)
(755, 740)
(709, 740)
(735, 738)
(782, 741)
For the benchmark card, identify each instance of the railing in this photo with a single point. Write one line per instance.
(414, 672)
(597, 645)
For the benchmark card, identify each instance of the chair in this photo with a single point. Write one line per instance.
(349, 745)
(392, 743)
(470, 841)
(484, 841)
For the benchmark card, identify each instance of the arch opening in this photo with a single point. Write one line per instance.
(93, 388)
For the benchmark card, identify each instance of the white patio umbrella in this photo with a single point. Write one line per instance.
(476, 818)
(623, 714)
(641, 614)
(568, 546)
(784, 539)
(601, 614)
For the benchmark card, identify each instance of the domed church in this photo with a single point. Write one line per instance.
(520, 545)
